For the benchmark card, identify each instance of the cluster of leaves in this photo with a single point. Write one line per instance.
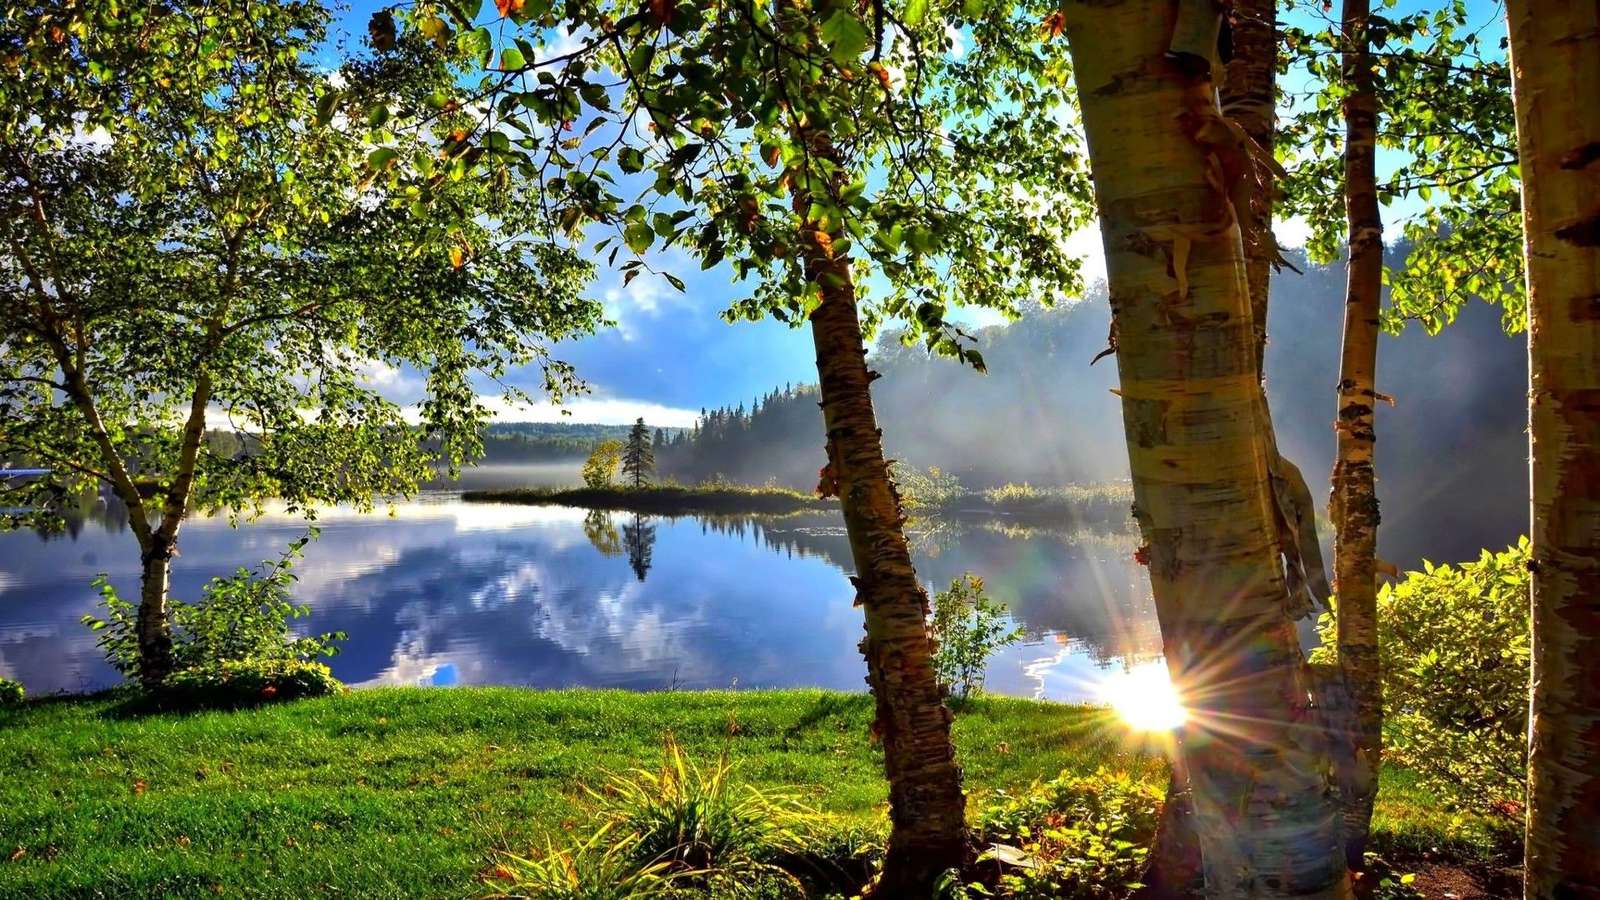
(600, 469)
(769, 135)
(204, 224)
(242, 620)
(1074, 836)
(1445, 117)
(11, 692)
(968, 626)
(1454, 655)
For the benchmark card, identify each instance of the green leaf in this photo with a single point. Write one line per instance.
(916, 11)
(845, 36)
(639, 235)
(327, 104)
(378, 159)
(511, 59)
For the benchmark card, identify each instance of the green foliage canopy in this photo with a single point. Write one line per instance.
(946, 176)
(1447, 137)
(200, 233)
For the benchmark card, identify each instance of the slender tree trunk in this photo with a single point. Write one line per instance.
(1555, 55)
(927, 808)
(152, 624)
(1199, 451)
(1354, 500)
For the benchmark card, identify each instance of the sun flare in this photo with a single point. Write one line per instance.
(1144, 698)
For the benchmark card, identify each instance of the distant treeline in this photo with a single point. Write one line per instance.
(1453, 450)
(505, 442)
(766, 442)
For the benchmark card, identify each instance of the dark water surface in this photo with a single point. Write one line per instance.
(442, 592)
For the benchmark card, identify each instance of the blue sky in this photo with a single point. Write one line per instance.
(670, 354)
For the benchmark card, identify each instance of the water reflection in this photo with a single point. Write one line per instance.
(443, 592)
(640, 538)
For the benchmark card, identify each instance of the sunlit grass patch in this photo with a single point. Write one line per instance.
(413, 792)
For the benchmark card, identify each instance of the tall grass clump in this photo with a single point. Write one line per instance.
(1095, 502)
(604, 866)
(707, 827)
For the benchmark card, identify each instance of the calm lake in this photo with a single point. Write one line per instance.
(440, 592)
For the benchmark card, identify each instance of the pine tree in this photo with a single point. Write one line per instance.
(639, 457)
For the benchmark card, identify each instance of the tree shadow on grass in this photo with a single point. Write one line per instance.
(827, 706)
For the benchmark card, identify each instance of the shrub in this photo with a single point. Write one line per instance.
(700, 822)
(1074, 836)
(242, 618)
(1453, 646)
(247, 682)
(11, 692)
(968, 627)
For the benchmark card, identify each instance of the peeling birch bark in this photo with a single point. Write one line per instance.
(1199, 452)
(1555, 64)
(927, 809)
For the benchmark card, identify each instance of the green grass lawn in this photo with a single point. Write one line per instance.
(408, 792)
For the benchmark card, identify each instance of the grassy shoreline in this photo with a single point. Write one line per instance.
(1077, 505)
(664, 500)
(410, 791)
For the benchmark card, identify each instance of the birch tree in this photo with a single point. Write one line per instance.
(1555, 62)
(1353, 504)
(1167, 173)
(198, 236)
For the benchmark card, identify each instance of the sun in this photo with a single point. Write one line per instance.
(1144, 698)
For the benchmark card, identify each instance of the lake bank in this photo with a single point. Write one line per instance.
(407, 792)
(1071, 505)
(663, 500)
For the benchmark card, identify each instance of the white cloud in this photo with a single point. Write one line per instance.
(392, 382)
(648, 295)
(958, 42)
(1292, 232)
(588, 410)
(1085, 244)
(561, 43)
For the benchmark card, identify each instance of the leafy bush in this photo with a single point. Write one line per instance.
(699, 821)
(11, 692)
(245, 682)
(1074, 836)
(241, 618)
(1454, 654)
(968, 627)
